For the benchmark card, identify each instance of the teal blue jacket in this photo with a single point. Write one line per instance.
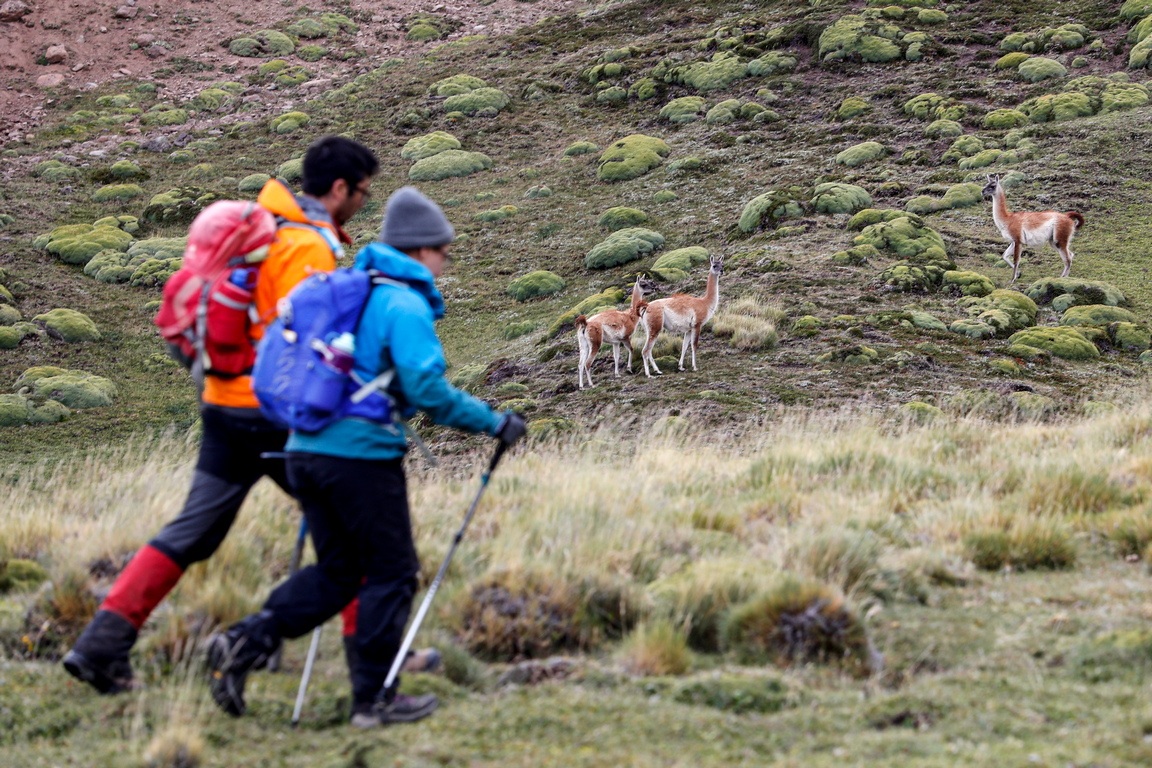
(396, 331)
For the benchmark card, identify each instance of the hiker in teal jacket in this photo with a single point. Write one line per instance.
(350, 480)
(396, 332)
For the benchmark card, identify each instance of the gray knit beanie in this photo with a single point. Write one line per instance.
(411, 220)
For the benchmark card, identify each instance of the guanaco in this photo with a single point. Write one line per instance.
(681, 314)
(1023, 228)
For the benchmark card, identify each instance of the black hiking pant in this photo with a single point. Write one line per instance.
(357, 513)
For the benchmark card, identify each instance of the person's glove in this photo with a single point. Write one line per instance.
(511, 428)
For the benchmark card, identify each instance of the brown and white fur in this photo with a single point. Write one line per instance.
(681, 314)
(613, 326)
(1031, 228)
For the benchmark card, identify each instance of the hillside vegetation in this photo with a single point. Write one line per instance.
(756, 134)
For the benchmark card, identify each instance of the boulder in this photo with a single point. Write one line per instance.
(14, 10)
(51, 80)
(56, 54)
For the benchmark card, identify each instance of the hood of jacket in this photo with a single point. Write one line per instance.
(394, 264)
(278, 199)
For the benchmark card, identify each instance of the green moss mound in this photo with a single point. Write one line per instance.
(767, 210)
(862, 153)
(448, 164)
(837, 197)
(72, 326)
(912, 277)
(1004, 311)
(1050, 289)
(855, 38)
(622, 246)
(488, 101)
(932, 106)
(179, 205)
(75, 389)
(676, 265)
(906, 236)
(577, 148)
(724, 69)
(969, 283)
(1063, 342)
(1135, 9)
(420, 147)
(533, 284)
(117, 193)
(851, 107)
(945, 129)
(1038, 68)
(456, 85)
(620, 217)
(1096, 314)
(212, 99)
(289, 122)
(631, 157)
(164, 117)
(54, 170)
(265, 44)
(686, 109)
(957, 196)
(291, 170)
(1059, 106)
(125, 169)
(999, 119)
(772, 63)
(497, 214)
(1130, 336)
(76, 244)
(253, 182)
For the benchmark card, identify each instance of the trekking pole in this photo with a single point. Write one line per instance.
(297, 555)
(303, 689)
(398, 662)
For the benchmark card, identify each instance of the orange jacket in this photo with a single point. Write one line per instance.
(295, 253)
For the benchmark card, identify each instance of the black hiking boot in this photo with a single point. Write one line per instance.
(402, 709)
(100, 656)
(233, 654)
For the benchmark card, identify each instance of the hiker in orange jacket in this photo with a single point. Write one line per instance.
(336, 175)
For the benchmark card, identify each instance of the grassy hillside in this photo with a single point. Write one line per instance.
(714, 167)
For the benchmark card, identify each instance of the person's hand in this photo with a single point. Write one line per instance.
(511, 428)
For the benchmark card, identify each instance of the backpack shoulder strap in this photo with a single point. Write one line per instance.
(328, 235)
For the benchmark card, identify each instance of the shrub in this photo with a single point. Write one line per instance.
(795, 621)
(449, 163)
(516, 330)
(845, 557)
(533, 284)
(698, 597)
(511, 615)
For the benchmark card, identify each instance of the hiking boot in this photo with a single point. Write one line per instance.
(100, 656)
(235, 653)
(402, 709)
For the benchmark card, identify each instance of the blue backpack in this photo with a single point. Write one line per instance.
(303, 377)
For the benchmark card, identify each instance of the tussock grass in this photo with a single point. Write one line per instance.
(656, 649)
(750, 323)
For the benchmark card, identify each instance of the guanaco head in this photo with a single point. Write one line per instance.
(716, 265)
(990, 188)
(644, 283)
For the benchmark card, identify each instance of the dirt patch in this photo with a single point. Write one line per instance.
(94, 42)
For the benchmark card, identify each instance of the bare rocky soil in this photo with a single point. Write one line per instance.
(81, 44)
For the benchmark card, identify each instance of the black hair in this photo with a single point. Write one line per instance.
(335, 157)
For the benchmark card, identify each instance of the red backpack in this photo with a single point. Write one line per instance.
(207, 310)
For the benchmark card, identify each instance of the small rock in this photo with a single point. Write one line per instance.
(320, 84)
(125, 71)
(155, 51)
(50, 81)
(157, 144)
(145, 39)
(14, 10)
(56, 54)
(79, 67)
(182, 139)
(126, 12)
